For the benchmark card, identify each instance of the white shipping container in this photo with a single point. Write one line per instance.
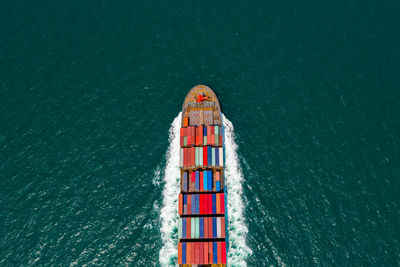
(221, 157)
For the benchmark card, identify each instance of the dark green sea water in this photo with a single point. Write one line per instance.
(89, 89)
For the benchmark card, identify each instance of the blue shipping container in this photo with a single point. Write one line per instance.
(184, 199)
(214, 204)
(214, 224)
(216, 156)
(209, 180)
(193, 204)
(215, 251)
(183, 227)
(197, 177)
(205, 180)
(217, 185)
(197, 204)
(201, 227)
(205, 131)
(185, 181)
(183, 252)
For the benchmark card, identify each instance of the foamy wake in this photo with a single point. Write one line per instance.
(238, 250)
(169, 212)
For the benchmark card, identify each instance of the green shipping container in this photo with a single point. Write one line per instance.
(198, 156)
(185, 140)
(205, 140)
(216, 130)
(192, 227)
(216, 139)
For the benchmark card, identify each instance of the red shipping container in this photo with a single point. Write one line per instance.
(179, 253)
(180, 204)
(188, 228)
(205, 252)
(201, 134)
(188, 252)
(212, 136)
(210, 252)
(192, 181)
(193, 156)
(187, 157)
(220, 141)
(197, 137)
(189, 204)
(193, 132)
(184, 157)
(201, 254)
(223, 227)
(189, 151)
(222, 203)
(201, 181)
(181, 133)
(200, 204)
(223, 252)
(210, 204)
(189, 137)
(204, 203)
(192, 254)
(210, 227)
(205, 156)
(197, 252)
(219, 258)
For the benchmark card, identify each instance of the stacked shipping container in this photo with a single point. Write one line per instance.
(201, 203)
(201, 136)
(202, 252)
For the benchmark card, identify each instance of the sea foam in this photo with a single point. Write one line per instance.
(169, 211)
(237, 229)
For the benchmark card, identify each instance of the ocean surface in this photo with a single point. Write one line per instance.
(90, 93)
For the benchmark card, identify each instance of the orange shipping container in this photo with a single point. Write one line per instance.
(180, 203)
(222, 203)
(179, 253)
(188, 228)
(218, 204)
(185, 122)
(188, 252)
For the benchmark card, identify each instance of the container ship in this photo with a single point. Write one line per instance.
(202, 234)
